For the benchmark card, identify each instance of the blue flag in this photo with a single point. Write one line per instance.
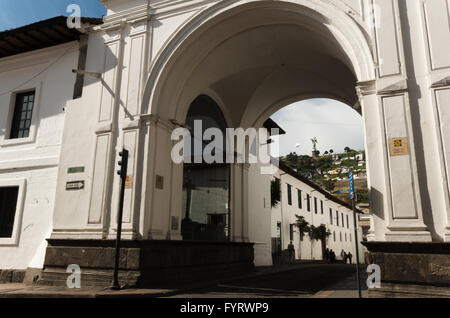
(352, 188)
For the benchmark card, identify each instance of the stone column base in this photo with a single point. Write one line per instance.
(411, 269)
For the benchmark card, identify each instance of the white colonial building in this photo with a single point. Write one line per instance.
(301, 197)
(153, 65)
(36, 84)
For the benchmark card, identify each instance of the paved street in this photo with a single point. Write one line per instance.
(302, 281)
(305, 280)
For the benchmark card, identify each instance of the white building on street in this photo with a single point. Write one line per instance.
(301, 197)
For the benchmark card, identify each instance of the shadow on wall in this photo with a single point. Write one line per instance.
(415, 96)
(376, 203)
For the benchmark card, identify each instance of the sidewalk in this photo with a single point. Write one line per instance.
(27, 291)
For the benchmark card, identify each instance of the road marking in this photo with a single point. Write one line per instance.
(266, 289)
(324, 294)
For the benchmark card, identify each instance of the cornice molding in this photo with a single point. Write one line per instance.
(366, 88)
(443, 82)
(396, 88)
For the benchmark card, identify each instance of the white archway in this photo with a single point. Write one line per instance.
(347, 32)
(254, 57)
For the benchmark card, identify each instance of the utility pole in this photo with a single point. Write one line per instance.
(355, 225)
(123, 177)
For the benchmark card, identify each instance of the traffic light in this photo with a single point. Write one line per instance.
(123, 163)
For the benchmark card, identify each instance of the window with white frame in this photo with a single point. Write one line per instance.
(315, 205)
(331, 216)
(12, 195)
(8, 207)
(289, 190)
(22, 116)
(299, 196)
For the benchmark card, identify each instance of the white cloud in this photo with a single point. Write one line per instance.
(335, 125)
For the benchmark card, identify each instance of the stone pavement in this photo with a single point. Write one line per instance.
(18, 290)
(27, 291)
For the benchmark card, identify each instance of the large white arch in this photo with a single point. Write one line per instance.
(347, 31)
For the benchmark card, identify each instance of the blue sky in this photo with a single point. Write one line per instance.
(16, 13)
(335, 125)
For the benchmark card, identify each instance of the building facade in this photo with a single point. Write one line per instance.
(300, 197)
(36, 83)
(150, 60)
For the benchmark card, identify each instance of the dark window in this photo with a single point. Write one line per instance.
(331, 216)
(337, 218)
(315, 205)
(291, 232)
(23, 112)
(308, 202)
(350, 237)
(289, 188)
(340, 236)
(348, 226)
(8, 203)
(299, 195)
(334, 236)
(346, 237)
(321, 206)
(343, 224)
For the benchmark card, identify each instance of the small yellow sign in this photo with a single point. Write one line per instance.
(398, 147)
(129, 182)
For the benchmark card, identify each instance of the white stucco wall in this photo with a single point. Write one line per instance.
(32, 163)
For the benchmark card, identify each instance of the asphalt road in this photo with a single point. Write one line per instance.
(308, 281)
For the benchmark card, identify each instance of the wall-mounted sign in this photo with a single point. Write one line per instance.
(75, 170)
(129, 182)
(160, 182)
(74, 185)
(398, 147)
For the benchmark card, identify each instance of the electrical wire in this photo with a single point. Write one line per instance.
(40, 73)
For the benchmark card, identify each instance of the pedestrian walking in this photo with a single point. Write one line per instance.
(291, 250)
(350, 257)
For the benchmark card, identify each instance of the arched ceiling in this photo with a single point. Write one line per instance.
(258, 60)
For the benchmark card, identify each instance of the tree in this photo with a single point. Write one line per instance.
(303, 228)
(275, 192)
(320, 233)
(329, 185)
